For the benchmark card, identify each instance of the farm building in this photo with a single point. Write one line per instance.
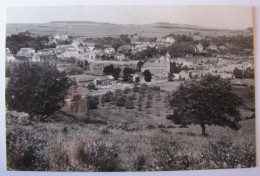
(26, 52)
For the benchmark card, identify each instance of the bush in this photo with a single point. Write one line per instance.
(223, 154)
(91, 86)
(92, 102)
(144, 88)
(140, 163)
(148, 104)
(75, 71)
(107, 97)
(155, 88)
(129, 104)
(120, 101)
(150, 96)
(127, 90)
(135, 88)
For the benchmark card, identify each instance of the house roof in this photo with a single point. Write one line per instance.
(26, 49)
(64, 46)
(155, 65)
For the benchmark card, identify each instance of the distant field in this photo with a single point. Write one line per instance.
(103, 30)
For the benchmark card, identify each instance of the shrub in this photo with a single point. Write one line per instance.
(91, 86)
(127, 90)
(150, 96)
(129, 104)
(158, 97)
(148, 104)
(223, 154)
(139, 107)
(107, 97)
(120, 101)
(140, 163)
(155, 88)
(135, 88)
(92, 102)
(104, 159)
(144, 88)
(75, 71)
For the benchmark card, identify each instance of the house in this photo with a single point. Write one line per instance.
(26, 52)
(101, 81)
(120, 57)
(109, 51)
(169, 40)
(184, 62)
(195, 74)
(176, 76)
(61, 37)
(90, 55)
(124, 48)
(223, 47)
(35, 58)
(140, 47)
(62, 48)
(159, 70)
(9, 57)
(199, 48)
(70, 53)
(212, 47)
(184, 74)
(45, 52)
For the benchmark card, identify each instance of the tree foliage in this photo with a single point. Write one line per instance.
(248, 73)
(111, 70)
(147, 76)
(127, 73)
(207, 102)
(24, 39)
(37, 89)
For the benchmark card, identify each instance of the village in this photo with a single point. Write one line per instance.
(92, 59)
(105, 97)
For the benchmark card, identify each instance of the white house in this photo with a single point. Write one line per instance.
(170, 40)
(110, 51)
(45, 52)
(212, 47)
(70, 53)
(199, 48)
(9, 57)
(90, 54)
(120, 57)
(35, 58)
(184, 74)
(26, 52)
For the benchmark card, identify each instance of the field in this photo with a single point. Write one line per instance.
(104, 30)
(113, 138)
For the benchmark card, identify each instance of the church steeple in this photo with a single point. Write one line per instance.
(167, 57)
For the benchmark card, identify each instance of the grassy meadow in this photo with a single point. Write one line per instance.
(136, 138)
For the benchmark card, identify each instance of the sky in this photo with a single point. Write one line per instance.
(226, 17)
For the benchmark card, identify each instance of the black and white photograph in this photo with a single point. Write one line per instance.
(129, 88)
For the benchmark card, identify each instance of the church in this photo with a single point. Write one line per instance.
(159, 69)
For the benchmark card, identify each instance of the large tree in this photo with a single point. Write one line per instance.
(147, 76)
(209, 101)
(38, 89)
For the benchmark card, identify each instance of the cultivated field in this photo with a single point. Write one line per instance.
(128, 138)
(104, 30)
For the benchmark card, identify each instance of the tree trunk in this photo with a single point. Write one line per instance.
(203, 129)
